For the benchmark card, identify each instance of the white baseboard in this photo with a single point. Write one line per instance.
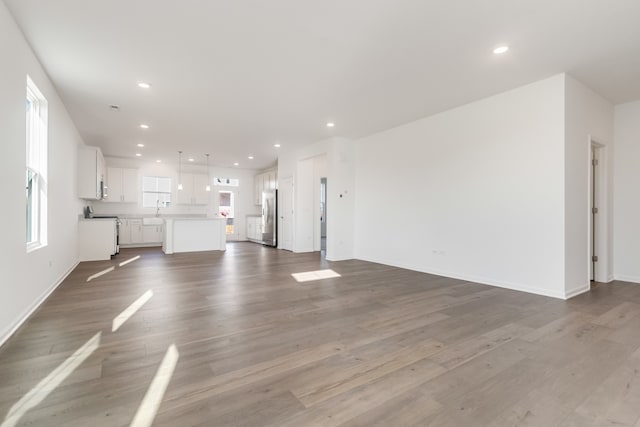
(141, 245)
(9, 331)
(625, 278)
(476, 279)
(575, 292)
(337, 259)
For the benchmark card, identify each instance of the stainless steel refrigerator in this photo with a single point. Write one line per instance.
(270, 218)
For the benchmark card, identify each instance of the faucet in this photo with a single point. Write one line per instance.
(157, 207)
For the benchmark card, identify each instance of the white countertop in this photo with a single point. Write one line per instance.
(195, 219)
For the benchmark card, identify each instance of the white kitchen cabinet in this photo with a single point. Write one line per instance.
(254, 228)
(250, 228)
(152, 233)
(122, 185)
(270, 180)
(130, 231)
(257, 189)
(264, 181)
(194, 190)
(91, 173)
(135, 227)
(97, 239)
(124, 233)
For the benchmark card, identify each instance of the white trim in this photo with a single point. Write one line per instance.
(575, 292)
(34, 246)
(8, 332)
(625, 278)
(340, 259)
(602, 228)
(475, 279)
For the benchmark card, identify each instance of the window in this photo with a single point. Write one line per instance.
(36, 167)
(227, 182)
(156, 192)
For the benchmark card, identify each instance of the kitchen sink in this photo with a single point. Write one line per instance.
(152, 221)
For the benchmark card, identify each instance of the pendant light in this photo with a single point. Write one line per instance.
(208, 187)
(179, 170)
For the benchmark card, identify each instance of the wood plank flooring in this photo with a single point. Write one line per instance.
(378, 346)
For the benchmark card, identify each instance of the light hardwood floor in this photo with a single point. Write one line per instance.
(378, 346)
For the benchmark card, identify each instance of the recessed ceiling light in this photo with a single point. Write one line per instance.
(138, 155)
(158, 161)
(250, 157)
(500, 50)
(143, 126)
(236, 164)
(140, 145)
(192, 159)
(144, 85)
(330, 124)
(276, 145)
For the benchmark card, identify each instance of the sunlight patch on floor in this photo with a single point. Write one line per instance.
(121, 318)
(309, 276)
(135, 258)
(38, 393)
(100, 273)
(151, 403)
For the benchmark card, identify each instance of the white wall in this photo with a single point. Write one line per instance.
(341, 196)
(333, 158)
(476, 192)
(626, 194)
(303, 206)
(588, 117)
(243, 193)
(28, 278)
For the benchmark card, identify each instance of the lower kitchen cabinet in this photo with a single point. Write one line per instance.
(254, 228)
(124, 232)
(136, 230)
(97, 239)
(152, 233)
(131, 232)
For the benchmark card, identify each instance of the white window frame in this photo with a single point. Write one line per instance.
(157, 192)
(226, 182)
(36, 163)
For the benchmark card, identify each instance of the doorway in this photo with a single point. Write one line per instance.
(227, 210)
(323, 214)
(598, 231)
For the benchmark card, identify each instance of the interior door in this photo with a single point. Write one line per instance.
(285, 211)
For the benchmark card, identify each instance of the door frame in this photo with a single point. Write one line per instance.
(598, 231)
(236, 211)
(323, 218)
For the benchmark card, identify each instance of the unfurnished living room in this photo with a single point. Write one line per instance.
(320, 213)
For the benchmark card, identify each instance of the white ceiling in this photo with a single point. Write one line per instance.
(233, 77)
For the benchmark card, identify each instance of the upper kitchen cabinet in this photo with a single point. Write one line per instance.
(122, 185)
(264, 181)
(90, 173)
(194, 190)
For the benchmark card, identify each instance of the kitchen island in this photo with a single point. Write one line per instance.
(194, 235)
